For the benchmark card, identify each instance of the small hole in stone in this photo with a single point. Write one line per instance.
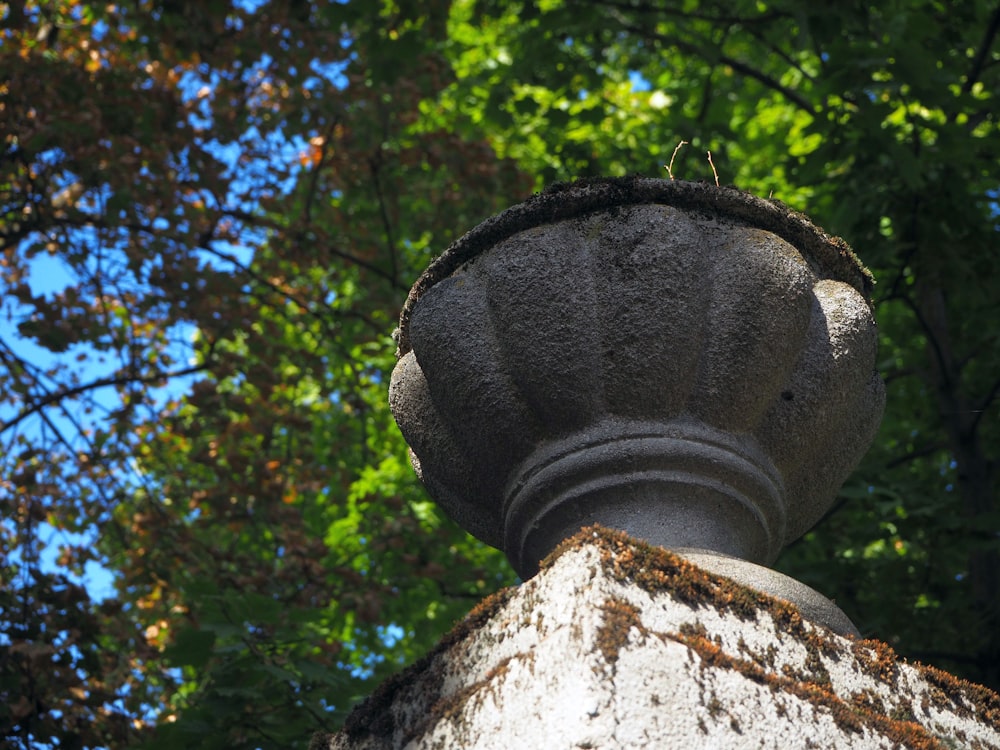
(787, 395)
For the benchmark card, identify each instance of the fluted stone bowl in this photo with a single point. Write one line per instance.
(687, 363)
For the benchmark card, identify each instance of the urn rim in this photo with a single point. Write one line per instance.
(567, 200)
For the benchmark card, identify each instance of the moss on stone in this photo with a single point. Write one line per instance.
(619, 618)
(655, 570)
(849, 716)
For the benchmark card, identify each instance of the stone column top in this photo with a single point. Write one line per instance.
(831, 256)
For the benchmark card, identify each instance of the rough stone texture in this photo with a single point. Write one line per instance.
(572, 199)
(687, 363)
(620, 645)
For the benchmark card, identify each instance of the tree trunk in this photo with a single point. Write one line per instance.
(974, 475)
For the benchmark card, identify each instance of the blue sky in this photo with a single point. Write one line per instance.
(49, 275)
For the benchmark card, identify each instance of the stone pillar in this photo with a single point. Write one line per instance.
(695, 368)
(616, 644)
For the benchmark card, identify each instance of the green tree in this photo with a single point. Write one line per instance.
(236, 208)
(879, 121)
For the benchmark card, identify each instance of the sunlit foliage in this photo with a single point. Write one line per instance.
(210, 214)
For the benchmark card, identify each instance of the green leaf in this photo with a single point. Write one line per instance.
(190, 648)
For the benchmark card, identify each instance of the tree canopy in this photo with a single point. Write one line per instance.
(211, 215)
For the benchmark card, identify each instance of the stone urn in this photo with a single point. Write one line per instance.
(690, 364)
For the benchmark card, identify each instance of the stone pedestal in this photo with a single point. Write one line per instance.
(691, 366)
(616, 644)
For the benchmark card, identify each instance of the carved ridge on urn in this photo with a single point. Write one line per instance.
(687, 363)
(602, 193)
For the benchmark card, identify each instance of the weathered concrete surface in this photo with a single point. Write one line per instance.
(616, 644)
(689, 364)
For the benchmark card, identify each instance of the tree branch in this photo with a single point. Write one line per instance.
(301, 304)
(780, 53)
(898, 373)
(941, 357)
(743, 68)
(687, 14)
(314, 177)
(246, 217)
(375, 165)
(985, 404)
(55, 397)
(204, 244)
(979, 61)
(300, 236)
(913, 455)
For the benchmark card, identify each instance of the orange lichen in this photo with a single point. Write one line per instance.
(619, 619)
(658, 570)
(868, 701)
(964, 698)
(879, 659)
(851, 717)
